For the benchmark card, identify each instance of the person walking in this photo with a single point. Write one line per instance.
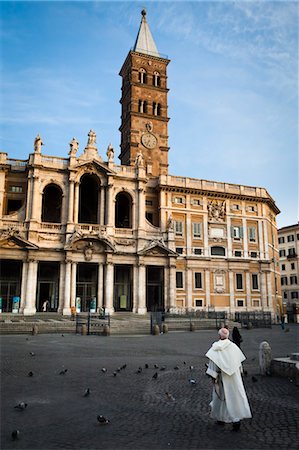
(229, 400)
(237, 338)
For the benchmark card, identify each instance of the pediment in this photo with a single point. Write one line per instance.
(157, 248)
(97, 242)
(95, 165)
(13, 239)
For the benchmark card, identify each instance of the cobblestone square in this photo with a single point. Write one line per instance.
(142, 416)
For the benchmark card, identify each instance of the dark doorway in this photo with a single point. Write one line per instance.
(88, 199)
(87, 281)
(122, 288)
(123, 210)
(47, 286)
(10, 282)
(52, 202)
(155, 288)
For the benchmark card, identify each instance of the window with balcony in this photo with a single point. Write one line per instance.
(237, 232)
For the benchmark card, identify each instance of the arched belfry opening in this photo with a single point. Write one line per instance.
(88, 199)
(51, 204)
(123, 210)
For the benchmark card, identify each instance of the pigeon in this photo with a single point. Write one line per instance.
(156, 366)
(192, 381)
(32, 354)
(254, 379)
(155, 376)
(139, 370)
(163, 368)
(103, 420)
(15, 435)
(191, 367)
(123, 366)
(104, 370)
(118, 369)
(184, 363)
(114, 374)
(21, 406)
(63, 372)
(87, 392)
(62, 335)
(30, 374)
(169, 396)
(176, 368)
(146, 366)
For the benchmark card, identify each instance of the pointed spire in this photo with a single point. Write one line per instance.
(144, 41)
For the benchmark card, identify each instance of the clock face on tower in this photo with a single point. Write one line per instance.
(149, 140)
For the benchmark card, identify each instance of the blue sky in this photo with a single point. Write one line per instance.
(233, 81)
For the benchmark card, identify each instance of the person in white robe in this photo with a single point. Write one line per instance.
(229, 400)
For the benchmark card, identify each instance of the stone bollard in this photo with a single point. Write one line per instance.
(165, 328)
(83, 330)
(156, 330)
(192, 326)
(106, 330)
(249, 326)
(265, 357)
(34, 330)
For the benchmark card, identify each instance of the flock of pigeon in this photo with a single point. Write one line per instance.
(102, 420)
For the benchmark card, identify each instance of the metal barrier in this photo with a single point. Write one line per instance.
(93, 322)
(249, 319)
(185, 319)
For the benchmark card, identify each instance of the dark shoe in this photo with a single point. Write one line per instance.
(236, 426)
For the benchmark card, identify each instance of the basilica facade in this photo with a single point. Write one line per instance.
(83, 233)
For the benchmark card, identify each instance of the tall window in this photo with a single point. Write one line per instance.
(282, 253)
(51, 205)
(239, 281)
(88, 199)
(252, 234)
(156, 109)
(281, 240)
(142, 76)
(197, 280)
(293, 279)
(156, 79)
(142, 106)
(196, 229)
(255, 281)
(123, 210)
(284, 281)
(236, 232)
(179, 280)
(291, 238)
(178, 227)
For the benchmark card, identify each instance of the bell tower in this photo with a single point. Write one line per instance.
(144, 119)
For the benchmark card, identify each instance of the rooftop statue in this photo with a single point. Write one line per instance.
(38, 144)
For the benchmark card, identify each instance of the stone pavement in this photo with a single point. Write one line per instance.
(141, 416)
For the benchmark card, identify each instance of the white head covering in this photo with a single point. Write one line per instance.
(223, 333)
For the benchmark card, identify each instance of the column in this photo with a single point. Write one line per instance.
(229, 238)
(172, 287)
(76, 202)
(141, 208)
(208, 288)
(269, 287)
(100, 286)
(109, 288)
(34, 197)
(28, 198)
(67, 289)
(266, 243)
(73, 284)
(189, 288)
(30, 300)
(245, 240)
(263, 291)
(23, 285)
(109, 206)
(141, 295)
(231, 291)
(248, 289)
(188, 235)
(61, 287)
(71, 201)
(205, 235)
(261, 240)
(102, 205)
